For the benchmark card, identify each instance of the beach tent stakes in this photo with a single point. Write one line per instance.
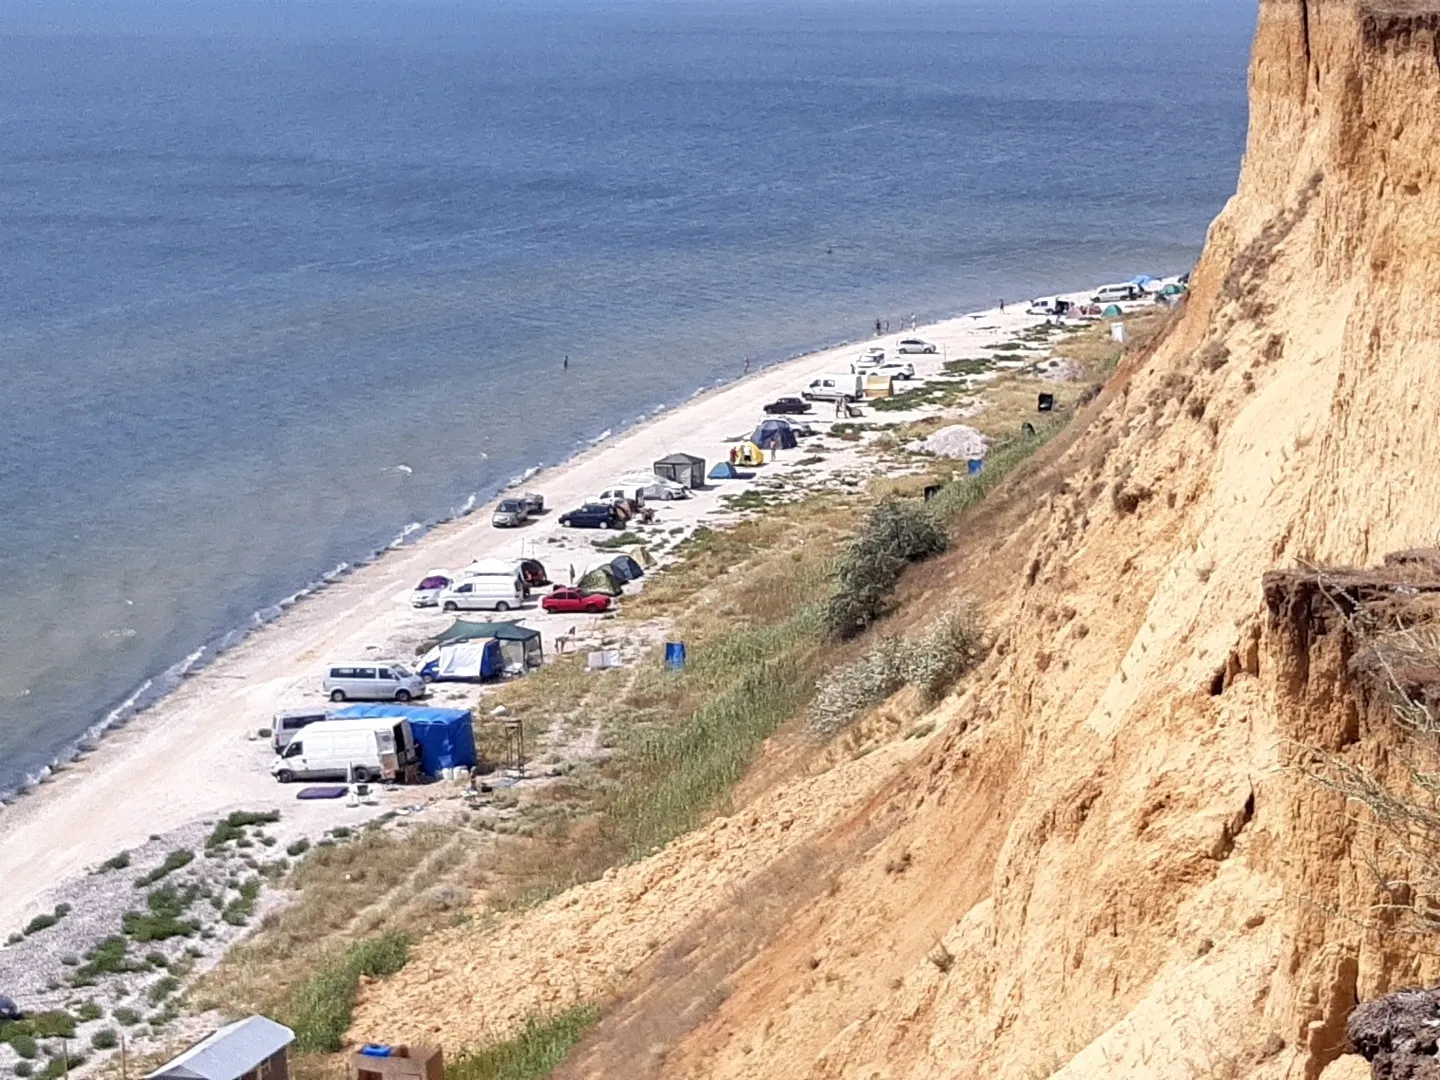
(684, 469)
(446, 737)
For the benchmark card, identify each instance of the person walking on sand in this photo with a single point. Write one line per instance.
(572, 573)
(877, 327)
(1002, 305)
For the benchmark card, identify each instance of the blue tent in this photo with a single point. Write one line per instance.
(626, 568)
(774, 435)
(465, 661)
(446, 737)
(726, 471)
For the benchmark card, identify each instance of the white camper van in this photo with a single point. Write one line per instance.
(371, 680)
(368, 749)
(286, 723)
(850, 386)
(484, 593)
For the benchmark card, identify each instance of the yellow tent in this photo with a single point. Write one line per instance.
(641, 554)
(747, 453)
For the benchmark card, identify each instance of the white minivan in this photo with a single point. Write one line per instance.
(371, 680)
(850, 386)
(1114, 294)
(488, 592)
(373, 748)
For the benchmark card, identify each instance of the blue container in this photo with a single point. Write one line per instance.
(675, 655)
(375, 1050)
(975, 464)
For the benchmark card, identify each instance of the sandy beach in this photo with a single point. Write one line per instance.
(196, 754)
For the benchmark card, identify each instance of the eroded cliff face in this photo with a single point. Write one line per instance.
(1110, 870)
(1106, 864)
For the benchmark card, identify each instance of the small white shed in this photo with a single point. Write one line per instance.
(249, 1049)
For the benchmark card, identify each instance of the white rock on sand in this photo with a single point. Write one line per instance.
(956, 441)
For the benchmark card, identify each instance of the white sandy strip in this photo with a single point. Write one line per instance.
(194, 753)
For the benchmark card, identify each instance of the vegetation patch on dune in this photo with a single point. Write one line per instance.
(539, 1046)
(320, 1008)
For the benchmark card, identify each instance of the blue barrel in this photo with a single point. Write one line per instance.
(975, 464)
(675, 654)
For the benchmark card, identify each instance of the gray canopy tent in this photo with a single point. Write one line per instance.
(684, 469)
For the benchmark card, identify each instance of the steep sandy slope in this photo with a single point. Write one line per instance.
(1102, 866)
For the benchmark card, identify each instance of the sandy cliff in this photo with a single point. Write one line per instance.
(1103, 865)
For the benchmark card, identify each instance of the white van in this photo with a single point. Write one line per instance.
(850, 386)
(369, 749)
(371, 680)
(1114, 294)
(493, 568)
(487, 592)
(288, 722)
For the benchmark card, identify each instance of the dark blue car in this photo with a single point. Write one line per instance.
(594, 516)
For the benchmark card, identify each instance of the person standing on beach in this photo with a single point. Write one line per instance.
(1002, 305)
(747, 365)
(567, 363)
(877, 327)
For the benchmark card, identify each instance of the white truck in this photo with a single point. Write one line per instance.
(359, 750)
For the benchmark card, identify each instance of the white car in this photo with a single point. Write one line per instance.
(430, 587)
(871, 358)
(914, 345)
(897, 369)
(654, 488)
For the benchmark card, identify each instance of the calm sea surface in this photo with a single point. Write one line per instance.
(256, 255)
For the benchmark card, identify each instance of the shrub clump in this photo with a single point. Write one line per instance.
(105, 1039)
(897, 533)
(44, 922)
(174, 861)
(115, 862)
(534, 1052)
(320, 1008)
(240, 909)
(932, 662)
(163, 920)
(234, 826)
(107, 958)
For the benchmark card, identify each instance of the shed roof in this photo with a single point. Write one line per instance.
(228, 1053)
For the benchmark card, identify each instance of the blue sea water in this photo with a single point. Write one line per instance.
(254, 255)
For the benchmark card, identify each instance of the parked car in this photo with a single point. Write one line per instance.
(593, 516)
(1048, 305)
(791, 406)
(348, 750)
(371, 680)
(914, 345)
(872, 357)
(489, 592)
(1114, 294)
(897, 369)
(576, 601)
(534, 502)
(849, 386)
(509, 513)
(429, 588)
(655, 488)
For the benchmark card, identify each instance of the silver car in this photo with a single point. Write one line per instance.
(371, 680)
(914, 345)
(509, 513)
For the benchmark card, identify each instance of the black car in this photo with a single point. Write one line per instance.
(791, 405)
(594, 516)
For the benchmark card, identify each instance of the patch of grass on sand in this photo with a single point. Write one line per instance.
(320, 1008)
(162, 921)
(176, 860)
(531, 1054)
(234, 826)
(614, 543)
(940, 392)
(107, 958)
(44, 922)
(116, 862)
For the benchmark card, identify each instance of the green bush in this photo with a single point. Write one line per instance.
(125, 1016)
(163, 920)
(234, 826)
(532, 1054)
(107, 958)
(24, 1068)
(897, 533)
(115, 862)
(174, 861)
(319, 1009)
(240, 909)
(162, 988)
(105, 1039)
(89, 1010)
(24, 1045)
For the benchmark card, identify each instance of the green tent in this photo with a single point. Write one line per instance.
(521, 646)
(1172, 290)
(602, 580)
(1112, 312)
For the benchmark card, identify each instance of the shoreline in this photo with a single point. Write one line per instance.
(182, 756)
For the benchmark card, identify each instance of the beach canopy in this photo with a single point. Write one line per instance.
(604, 580)
(1112, 312)
(446, 737)
(626, 568)
(726, 471)
(230, 1052)
(684, 469)
(747, 453)
(774, 435)
(464, 661)
(519, 645)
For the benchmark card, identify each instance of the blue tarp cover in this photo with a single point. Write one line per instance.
(446, 736)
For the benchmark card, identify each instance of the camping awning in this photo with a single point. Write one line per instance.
(681, 459)
(228, 1053)
(462, 630)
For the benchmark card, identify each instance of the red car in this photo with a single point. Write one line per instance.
(575, 601)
